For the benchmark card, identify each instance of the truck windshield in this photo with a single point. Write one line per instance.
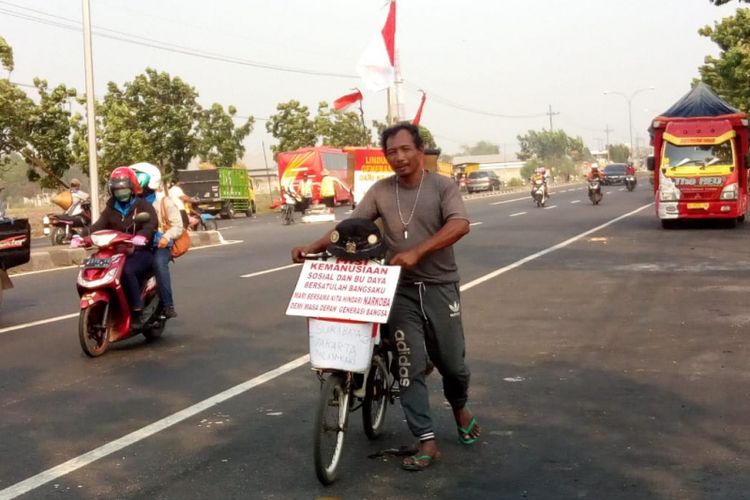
(703, 155)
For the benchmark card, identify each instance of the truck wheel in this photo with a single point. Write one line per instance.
(741, 219)
(228, 211)
(251, 211)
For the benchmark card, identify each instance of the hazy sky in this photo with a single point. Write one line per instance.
(503, 57)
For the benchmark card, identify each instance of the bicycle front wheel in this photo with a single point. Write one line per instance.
(376, 399)
(330, 427)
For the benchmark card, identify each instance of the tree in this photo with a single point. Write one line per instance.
(292, 127)
(38, 132)
(429, 140)
(552, 149)
(6, 55)
(619, 153)
(340, 129)
(729, 74)
(219, 141)
(153, 118)
(480, 148)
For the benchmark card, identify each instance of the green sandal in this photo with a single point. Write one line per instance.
(464, 432)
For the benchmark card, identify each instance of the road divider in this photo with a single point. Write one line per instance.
(63, 256)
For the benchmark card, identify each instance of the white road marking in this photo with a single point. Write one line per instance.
(550, 207)
(621, 189)
(576, 201)
(37, 323)
(107, 449)
(475, 223)
(509, 201)
(251, 275)
(517, 214)
(551, 249)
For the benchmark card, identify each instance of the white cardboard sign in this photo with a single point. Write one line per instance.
(355, 291)
(341, 346)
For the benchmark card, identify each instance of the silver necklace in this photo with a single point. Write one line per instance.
(405, 223)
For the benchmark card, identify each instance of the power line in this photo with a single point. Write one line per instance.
(160, 45)
(74, 25)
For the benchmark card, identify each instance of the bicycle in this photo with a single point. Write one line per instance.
(345, 391)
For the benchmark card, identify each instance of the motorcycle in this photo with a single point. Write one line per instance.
(62, 227)
(290, 205)
(538, 193)
(105, 313)
(595, 191)
(201, 221)
(630, 182)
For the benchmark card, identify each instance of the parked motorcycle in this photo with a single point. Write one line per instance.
(595, 191)
(201, 221)
(105, 312)
(290, 205)
(630, 182)
(62, 227)
(15, 246)
(538, 193)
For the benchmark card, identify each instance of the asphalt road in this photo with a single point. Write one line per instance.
(608, 360)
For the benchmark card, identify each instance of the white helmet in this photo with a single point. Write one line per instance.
(152, 171)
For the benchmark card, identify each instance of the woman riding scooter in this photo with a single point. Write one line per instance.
(118, 215)
(169, 229)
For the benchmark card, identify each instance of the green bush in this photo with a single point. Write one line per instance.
(516, 182)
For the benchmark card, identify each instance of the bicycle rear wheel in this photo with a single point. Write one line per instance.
(330, 427)
(375, 403)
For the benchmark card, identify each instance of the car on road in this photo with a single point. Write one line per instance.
(482, 180)
(614, 173)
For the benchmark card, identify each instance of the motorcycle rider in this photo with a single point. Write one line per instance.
(118, 215)
(169, 228)
(595, 173)
(78, 197)
(540, 174)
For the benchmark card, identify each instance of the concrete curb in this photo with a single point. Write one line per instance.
(62, 256)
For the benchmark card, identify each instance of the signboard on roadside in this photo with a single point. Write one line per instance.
(339, 289)
(370, 166)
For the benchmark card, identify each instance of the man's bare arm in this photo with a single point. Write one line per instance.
(451, 232)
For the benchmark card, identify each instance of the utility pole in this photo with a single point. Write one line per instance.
(268, 174)
(607, 130)
(90, 110)
(550, 114)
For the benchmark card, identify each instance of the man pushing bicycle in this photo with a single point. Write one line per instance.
(422, 215)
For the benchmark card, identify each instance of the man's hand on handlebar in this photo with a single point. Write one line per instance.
(298, 254)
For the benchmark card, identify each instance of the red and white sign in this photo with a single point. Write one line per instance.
(370, 165)
(338, 289)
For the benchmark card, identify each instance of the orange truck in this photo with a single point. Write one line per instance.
(700, 160)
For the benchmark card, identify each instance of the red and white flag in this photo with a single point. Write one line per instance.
(377, 64)
(418, 116)
(347, 100)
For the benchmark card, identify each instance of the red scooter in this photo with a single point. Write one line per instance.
(105, 313)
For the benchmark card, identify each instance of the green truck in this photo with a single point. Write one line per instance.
(222, 191)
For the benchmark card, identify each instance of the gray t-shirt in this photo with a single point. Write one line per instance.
(439, 201)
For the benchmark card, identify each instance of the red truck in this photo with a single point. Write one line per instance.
(700, 160)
